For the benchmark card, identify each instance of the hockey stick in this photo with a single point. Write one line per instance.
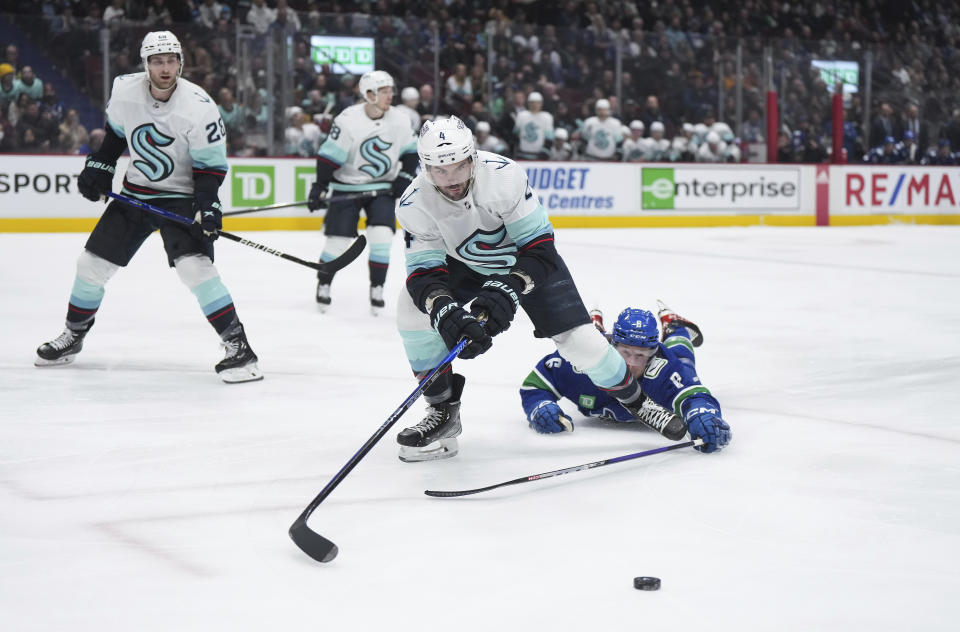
(333, 265)
(338, 198)
(566, 470)
(311, 542)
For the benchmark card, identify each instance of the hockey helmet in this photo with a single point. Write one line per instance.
(483, 127)
(561, 134)
(409, 94)
(636, 327)
(602, 104)
(444, 142)
(372, 82)
(159, 42)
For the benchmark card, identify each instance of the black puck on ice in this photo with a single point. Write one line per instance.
(646, 583)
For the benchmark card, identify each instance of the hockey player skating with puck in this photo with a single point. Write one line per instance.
(674, 398)
(370, 148)
(475, 229)
(178, 159)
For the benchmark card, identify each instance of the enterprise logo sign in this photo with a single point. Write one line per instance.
(706, 189)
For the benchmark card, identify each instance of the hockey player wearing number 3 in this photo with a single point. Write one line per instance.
(178, 160)
(666, 370)
(371, 147)
(475, 230)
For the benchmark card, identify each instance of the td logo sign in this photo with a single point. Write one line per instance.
(658, 189)
(252, 185)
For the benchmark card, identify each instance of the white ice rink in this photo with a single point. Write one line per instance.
(138, 492)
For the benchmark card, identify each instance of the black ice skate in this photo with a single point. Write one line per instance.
(323, 296)
(240, 362)
(376, 300)
(670, 320)
(435, 437)
(63, 348)
(649, 413)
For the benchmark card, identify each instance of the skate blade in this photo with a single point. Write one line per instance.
(323, 308)
(375, 311)
(440, 449)
(248, 373)
(38, 361)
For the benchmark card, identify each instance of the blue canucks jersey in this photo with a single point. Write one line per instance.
(670, 380)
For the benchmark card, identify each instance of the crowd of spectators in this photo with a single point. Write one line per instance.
(676, 60)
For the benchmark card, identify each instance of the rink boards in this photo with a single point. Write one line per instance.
(38, 194)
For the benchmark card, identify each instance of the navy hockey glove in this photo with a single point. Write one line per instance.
(547, 417)
(208, 219)
(704, 422)
(318, 196)
(96, 179)
(499, 299)
(400, 184)
(453, 323)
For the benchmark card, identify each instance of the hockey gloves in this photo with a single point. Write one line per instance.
(547, 417)
(401, 183)
(453, 323)
(96, 179)
(704, 422)
(208, 219)
(318, 196)
(499, 299)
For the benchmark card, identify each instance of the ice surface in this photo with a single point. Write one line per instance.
(138, 492)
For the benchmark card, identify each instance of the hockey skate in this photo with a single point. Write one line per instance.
(376, 300)
(651, 414)
(63, 348)
(435, 437)
(323, 296)
(670, 320)
(240, 362)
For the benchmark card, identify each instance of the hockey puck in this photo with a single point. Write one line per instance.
(646, 583)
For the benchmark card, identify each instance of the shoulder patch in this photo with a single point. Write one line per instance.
(202, 97)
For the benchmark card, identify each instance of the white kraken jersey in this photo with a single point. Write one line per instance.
(500, 213)
(532, 130)
(167, 140)
(633, 150)
(411, 114)
(602, 137)
(367, 151)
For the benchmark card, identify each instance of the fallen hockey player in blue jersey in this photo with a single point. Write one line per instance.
(675, 398)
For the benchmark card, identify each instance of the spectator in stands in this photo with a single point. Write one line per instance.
(347, 95)
(286, 19)
(9, 87)
(753, 131)
(207, 13)
(231, 113)
(11, 55)
(260, 16)
(115, 14)
(459, 90)
(883, 127)
(428, 107)
(912, 123)
(651, 112)
(29, 121)
(30, 84)
(18, 107)
(51, 102)
(158, 14)
(301, 138)
(951, 130)
(73, 134)
(8, 141)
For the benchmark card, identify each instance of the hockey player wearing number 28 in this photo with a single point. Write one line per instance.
(674, 397)
(178, 160)
(475, 230)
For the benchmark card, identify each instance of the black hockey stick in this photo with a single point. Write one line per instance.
(311, 542)
(566, 470)
(333, 265)
(336, 198)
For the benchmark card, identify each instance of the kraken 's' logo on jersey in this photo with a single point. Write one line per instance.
(152, 162)
(378, 163)
(487, 249)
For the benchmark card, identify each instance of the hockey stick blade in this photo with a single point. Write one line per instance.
(566, 470)
(311, 542)
(346, 258)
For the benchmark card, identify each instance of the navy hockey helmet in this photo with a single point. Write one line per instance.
(636, 327)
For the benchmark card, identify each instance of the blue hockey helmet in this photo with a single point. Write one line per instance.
(636, 327)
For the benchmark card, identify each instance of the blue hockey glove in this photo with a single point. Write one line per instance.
(499, 299)
(401, 183)
(547, 417)
(208, 219)
(703, 422)
(453, 323)
(318, 196)
(96, 179)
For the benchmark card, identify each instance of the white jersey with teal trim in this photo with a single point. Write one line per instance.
(532, 130)
(602, 136)
(500, 213)
(167, 140)
(367, 151)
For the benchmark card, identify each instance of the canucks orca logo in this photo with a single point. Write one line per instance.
(147, 141)
(486, 249)
(378, 164)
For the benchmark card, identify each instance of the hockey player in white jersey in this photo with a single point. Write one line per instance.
(562, 148)
(371, 148)
(633, 145)
(409, 99)
(602, 134)
(178, 159)
(656, 148)
(475, 230)
(534, 130)
(487, 141)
